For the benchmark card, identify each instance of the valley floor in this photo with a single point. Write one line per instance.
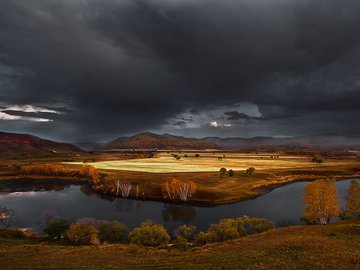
(148, 174)
(334, 246)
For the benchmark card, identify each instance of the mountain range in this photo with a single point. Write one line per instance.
(23, 146)
(149, 140)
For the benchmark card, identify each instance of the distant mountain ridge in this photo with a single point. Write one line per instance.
(13, 145)
(148, 140)
(302, 142)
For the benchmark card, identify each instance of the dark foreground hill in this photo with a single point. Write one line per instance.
(149, 140)
(19, 146)
(333, 246)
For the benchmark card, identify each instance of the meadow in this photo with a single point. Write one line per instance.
(164, 162)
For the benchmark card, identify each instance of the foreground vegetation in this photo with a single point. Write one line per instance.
(333, 246)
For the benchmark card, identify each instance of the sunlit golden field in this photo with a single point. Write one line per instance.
(207, 162)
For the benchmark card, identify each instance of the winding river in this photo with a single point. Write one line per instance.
(283, 205)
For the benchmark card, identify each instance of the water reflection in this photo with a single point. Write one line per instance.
(124, 206)
(183, 213)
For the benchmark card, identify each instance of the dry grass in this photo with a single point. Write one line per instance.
(207, 162)
(334, 246)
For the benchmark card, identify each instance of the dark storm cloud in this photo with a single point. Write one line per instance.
(235, 115)
(118, 67)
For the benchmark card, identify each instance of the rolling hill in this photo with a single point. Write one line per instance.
(19, 146)
(149, 140)
(304, 142)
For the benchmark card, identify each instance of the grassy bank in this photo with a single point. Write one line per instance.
(334, 246)
(212, 189)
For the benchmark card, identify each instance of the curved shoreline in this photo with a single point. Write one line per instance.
(259, 191)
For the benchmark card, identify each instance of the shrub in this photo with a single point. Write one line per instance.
(83, 232)
(184, 234)
(56, 228)
(185, 231)
(226, 229)
(250, 171)
(112, 232)
(255, 225)
(197, 155)
(149, 234)
(222, 171)
(203, 238)
(231, 173)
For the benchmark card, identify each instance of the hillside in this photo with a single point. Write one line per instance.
(304, 142)
(22, 146)
(149, 140)
(333, 246)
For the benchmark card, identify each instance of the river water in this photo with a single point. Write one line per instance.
(283, 205)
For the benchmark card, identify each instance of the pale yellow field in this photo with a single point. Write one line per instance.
(207, 162)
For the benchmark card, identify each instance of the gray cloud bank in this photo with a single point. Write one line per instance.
(120, 67)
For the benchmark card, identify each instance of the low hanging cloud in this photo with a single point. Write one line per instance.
(9, 117)
(25, 113)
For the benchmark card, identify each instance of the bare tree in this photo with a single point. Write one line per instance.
(125, 188)
(186, 190)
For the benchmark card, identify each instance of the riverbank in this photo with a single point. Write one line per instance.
(297, 247)
(212, 188)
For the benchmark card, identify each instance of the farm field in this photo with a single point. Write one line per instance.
(207, 162)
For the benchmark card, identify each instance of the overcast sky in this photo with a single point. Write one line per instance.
(92, 70)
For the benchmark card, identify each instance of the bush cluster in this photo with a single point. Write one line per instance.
(223, 171)
(86, 231)
(228, 229)
(150, 234)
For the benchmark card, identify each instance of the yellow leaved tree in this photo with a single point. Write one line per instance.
(353, 199)
(91, 172)
(322, 201)
(174, 188)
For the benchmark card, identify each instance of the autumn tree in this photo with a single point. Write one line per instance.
(91, 172)
(322, 201)
(182, 189)
(170, 188)
(353, 199)
(187, 189)
(125, 188)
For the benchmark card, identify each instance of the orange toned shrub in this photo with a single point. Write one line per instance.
(44, 169)
(90, 172)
